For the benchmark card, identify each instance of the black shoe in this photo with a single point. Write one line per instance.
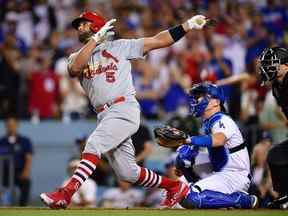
(281, 203)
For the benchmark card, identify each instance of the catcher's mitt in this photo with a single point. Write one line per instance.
(169, 137)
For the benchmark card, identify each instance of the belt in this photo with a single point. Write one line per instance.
(237, 148)
(249, 177)
(101, 108)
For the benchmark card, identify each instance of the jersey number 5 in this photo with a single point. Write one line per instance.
(110, 77)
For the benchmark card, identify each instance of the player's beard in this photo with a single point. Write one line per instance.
(85, 36)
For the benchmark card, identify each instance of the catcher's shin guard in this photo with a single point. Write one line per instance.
(208, 199)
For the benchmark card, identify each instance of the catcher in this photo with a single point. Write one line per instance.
(228, 184)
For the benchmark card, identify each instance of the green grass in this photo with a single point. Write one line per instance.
(136, 212)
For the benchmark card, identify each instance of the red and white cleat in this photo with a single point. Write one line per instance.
(58, 199)
(175, 195)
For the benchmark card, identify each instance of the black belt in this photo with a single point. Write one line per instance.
(249, 177)
(237, 148)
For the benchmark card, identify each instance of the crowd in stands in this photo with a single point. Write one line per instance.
(36, 38)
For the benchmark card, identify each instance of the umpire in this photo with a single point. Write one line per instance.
(274, 69)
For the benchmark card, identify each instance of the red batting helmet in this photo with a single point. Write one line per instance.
(96, 20)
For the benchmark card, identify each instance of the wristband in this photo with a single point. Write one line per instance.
(203, 141)
(177, 32)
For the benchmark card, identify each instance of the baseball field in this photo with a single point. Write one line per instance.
(136, 212)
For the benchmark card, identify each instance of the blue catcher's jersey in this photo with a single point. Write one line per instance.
(220, 157)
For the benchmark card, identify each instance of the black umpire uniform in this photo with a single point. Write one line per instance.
(270, 61)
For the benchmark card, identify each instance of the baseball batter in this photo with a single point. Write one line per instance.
(104, 70)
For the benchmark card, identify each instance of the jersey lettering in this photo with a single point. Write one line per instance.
(109, 70)
(221, 125)
(110, 77)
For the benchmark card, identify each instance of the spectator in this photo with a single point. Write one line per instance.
(9, 76)
(11, 29)
(272, 119)
(194, 55)
(86, 195)
(122, 197)
(175, 96)
(275, 18)
(46, 19)
(249, 97)
(44, 91)
(21, 148)
(147, 90)
(220, 67)
(257, 39)
(28, 64)
(22, 15)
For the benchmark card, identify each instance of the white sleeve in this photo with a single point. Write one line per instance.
(225, 125)
(131, 48)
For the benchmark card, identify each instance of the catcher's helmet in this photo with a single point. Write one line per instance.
(205, 91)
(270, 60)
(96, 20)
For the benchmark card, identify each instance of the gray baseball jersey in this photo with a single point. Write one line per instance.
(111, 70)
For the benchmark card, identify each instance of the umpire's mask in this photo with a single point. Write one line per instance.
(270, 61)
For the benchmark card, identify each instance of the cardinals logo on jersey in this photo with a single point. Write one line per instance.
(105, 66)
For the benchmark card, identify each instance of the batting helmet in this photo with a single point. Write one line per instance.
(96, 20)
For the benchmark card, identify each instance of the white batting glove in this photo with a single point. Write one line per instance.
(104, 32)
(197, 22)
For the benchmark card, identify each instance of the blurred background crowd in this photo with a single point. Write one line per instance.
(36, 38)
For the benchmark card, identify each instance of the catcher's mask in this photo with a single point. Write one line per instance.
(97, 21)
(270, 61)
(199, 96)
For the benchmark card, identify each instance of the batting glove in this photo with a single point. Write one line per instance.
(197, 22)
(104, 32)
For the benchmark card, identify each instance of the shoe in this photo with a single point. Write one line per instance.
(58, 199)
(175, 195)
(280, 203)
(254, 201)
